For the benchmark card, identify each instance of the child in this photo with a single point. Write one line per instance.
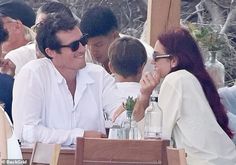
(127, 57)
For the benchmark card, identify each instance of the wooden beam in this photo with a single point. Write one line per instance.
(162, 15)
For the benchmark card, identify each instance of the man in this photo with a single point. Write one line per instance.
(6, 81)
(20, 56)
(101, 25)
(17, 17)
(64, 97)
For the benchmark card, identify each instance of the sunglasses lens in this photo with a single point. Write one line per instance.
(75, 46)
(84, 40)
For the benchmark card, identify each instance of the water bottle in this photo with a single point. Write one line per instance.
(153, 120)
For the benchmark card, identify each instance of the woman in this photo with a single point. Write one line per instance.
(193, 116)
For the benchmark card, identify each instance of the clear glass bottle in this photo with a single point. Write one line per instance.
(215, 69)
(130, 128)
(153, 120)
(115, 132)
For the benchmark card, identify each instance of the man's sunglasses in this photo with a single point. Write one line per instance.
(75, 44)
(156, 56)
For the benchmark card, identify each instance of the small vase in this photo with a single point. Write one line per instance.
(215, 69)
(130, 128)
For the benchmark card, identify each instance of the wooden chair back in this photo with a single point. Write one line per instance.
(45, 153)
(91, 151)
(176, 156)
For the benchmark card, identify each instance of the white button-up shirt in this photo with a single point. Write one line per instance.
(189, 120)
(22, 55)
(44, 109)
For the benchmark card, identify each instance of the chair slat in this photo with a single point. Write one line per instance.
(45, 153)
(120, 151)
(176, 156)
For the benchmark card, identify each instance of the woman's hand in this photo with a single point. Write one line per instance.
(148, 82)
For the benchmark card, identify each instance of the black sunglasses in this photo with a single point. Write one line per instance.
(75, 44)
(156, 56)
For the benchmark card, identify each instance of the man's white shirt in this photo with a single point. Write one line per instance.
(44, 109)
(22, 55)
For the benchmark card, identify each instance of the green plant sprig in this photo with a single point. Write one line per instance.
(129, 105)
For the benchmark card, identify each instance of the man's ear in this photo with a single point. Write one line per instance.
(19, 27)
(111, 67)
(51, 53)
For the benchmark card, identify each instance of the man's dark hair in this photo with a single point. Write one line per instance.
(55, 7)
(98, 21)
(3, 33)
(127, 56)
(46, 34)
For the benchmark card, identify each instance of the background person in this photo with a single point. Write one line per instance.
(20, 56)
(101, 25)
(6, 81)
(228, 99)
(9, 146)
(17, 17)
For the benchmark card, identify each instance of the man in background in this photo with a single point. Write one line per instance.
(6, 81)
(17, 18)
(20, 56)
(101, 25)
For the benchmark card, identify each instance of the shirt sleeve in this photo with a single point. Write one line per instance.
(170, 101)
(27, 108)
(40, 133)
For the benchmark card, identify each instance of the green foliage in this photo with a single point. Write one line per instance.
(208, 37)
(129, 105)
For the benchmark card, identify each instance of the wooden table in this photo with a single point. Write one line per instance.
(66, 157)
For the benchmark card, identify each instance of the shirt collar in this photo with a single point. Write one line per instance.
(82, 74)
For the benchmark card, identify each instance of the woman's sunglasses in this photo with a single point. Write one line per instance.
(156, 56)
(75, 44)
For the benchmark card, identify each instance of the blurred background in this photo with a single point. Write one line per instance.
(219, 15)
